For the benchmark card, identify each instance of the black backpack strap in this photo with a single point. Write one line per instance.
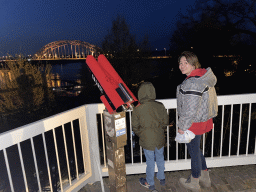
(198, 93)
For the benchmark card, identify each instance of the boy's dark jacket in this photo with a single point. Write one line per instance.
(149, 119)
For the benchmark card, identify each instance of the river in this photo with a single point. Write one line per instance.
(233, 77)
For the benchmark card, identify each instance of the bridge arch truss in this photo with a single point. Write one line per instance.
(67, 49)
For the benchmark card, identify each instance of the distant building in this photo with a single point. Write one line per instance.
(5, 75)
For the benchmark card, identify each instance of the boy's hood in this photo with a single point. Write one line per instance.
(146, 92)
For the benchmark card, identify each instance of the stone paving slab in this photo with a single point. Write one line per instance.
(236, 178)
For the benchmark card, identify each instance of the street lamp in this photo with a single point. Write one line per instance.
(165, 51)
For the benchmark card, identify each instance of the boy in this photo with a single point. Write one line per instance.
(149, 121)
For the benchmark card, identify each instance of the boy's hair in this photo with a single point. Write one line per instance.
(191, 59)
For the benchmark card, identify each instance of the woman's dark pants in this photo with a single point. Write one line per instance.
(197, 158)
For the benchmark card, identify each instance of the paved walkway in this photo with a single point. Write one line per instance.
(237, 178)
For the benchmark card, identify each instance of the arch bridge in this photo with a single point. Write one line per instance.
(66, 49)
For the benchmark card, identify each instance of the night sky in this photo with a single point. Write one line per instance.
(28, 25)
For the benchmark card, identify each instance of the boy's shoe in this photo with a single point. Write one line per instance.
(162, 181)
(144, 183)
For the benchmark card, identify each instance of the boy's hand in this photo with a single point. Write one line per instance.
(180, 131)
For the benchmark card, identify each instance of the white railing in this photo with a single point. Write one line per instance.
(54, 154)
(66, 151)
(231, 142)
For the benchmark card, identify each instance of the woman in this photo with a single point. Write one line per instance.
(196, 106)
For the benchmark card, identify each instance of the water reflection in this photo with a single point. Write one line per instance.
(66, 79)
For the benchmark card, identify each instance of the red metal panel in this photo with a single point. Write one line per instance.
(105, 82)
(115, 92)
(109, 68)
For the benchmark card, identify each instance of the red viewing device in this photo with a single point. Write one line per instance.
(116, 96)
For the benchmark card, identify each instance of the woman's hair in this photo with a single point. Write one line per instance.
(191, 59)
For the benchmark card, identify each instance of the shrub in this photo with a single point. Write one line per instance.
(24, 87)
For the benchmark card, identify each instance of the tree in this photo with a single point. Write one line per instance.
(216, 26)
(144, 47)
(120, 43)
(126, 55)
(239, 16)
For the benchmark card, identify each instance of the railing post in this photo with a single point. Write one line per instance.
(91, 121)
